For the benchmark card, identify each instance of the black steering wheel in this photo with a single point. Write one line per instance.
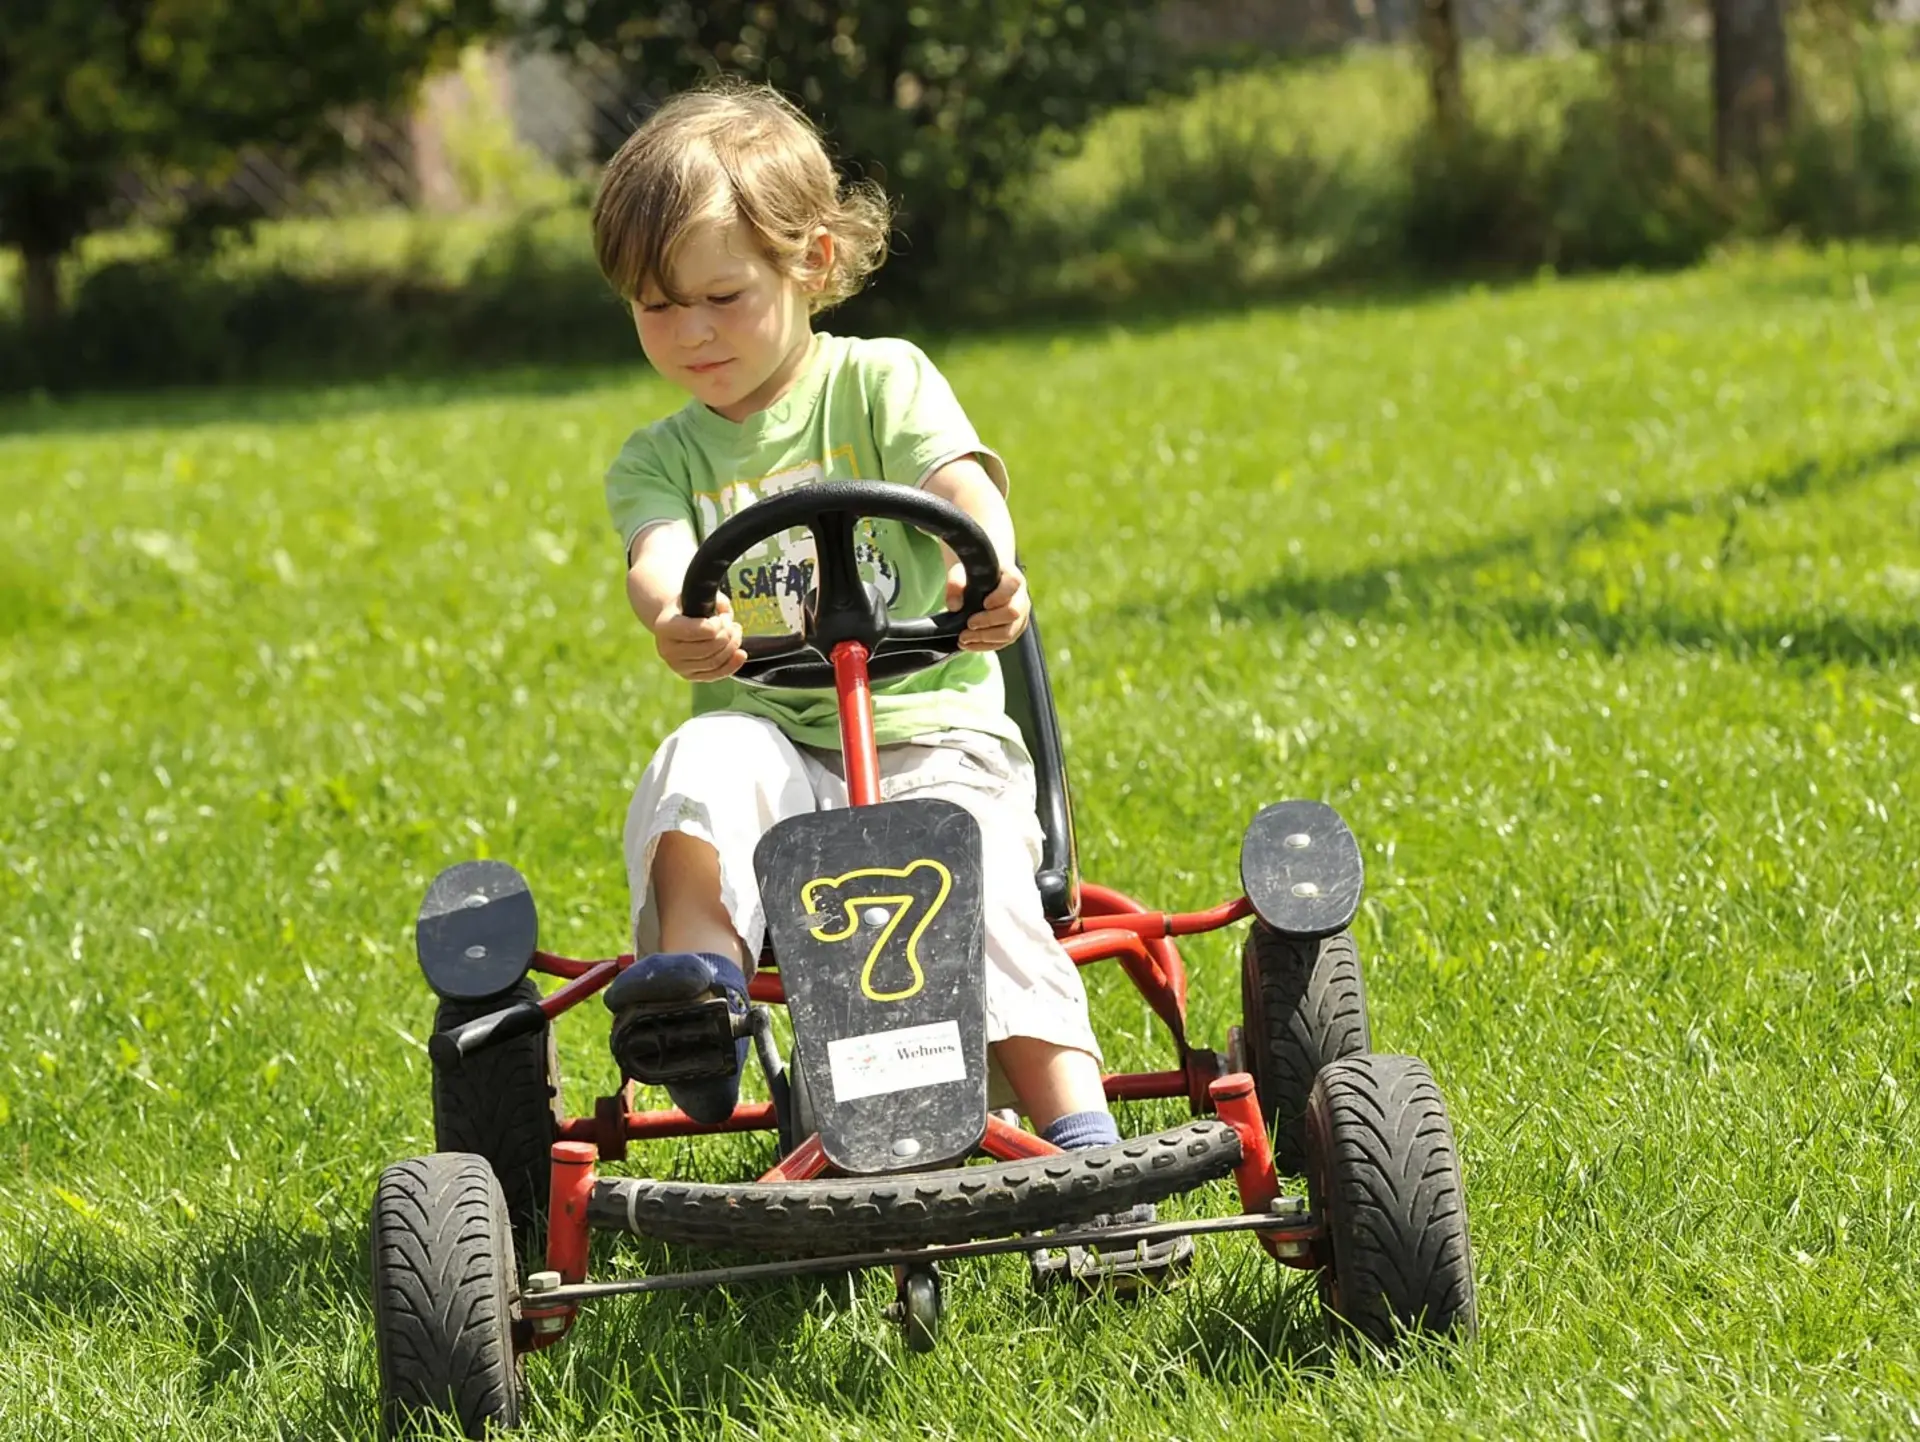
(842, 607)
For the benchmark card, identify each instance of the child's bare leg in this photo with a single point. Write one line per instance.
(686, 893)
(1052, 1081)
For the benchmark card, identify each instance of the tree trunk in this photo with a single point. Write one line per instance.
(40, 289)
(1635, 20)
(1751, 90)
(1438, 25)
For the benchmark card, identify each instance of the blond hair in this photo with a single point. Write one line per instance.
(732, 150)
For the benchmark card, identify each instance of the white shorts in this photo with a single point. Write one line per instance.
(727, 778)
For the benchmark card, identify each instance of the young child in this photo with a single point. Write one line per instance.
(721, 221)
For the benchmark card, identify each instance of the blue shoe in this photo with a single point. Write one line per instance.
(678, 1023)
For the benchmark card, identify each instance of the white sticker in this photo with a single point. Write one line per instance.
(896, 1061)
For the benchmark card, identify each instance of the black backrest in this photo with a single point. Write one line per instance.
(1030, 704)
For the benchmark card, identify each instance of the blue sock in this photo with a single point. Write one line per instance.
(1078, 1130)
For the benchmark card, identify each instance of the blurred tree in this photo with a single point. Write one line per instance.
(1635, 20)
(90, 89)
(1438, 25)
(942, 101)
(1752, 92)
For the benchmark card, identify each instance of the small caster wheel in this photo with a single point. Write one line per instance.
(917, 1308)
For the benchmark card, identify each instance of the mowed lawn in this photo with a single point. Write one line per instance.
(1594, 606)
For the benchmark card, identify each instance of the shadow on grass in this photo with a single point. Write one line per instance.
(239, 1291)
(1092, 315)
(695, 1358)
(1448, 585)
(1258, 1317)
(246, 1293)
(274, 404)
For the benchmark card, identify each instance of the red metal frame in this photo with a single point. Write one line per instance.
(1256, 1177)
(857, 748)
(1006, 1143)
(570, 1189)
(803, 1163)
(1112, 927)
(654, 1125)
(1138, 940)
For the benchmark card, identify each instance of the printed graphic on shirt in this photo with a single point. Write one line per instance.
(769, 585)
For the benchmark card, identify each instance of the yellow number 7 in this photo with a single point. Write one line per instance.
(827, 897)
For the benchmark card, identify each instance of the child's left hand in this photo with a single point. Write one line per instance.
(1003, 616)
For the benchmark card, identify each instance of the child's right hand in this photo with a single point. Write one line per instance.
(708, 650)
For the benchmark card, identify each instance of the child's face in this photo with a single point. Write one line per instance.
(741, 336)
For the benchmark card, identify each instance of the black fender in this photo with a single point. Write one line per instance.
(1300, 866)
(477, 930)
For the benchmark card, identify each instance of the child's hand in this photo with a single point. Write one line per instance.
(1003, 616)
(708, 650)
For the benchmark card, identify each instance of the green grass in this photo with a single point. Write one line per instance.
(1591, 605)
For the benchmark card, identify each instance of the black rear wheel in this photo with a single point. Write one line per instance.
(502, 1104)
(445, 1295)
(1305, 1005)
(915, 1209)
(1385, 1176)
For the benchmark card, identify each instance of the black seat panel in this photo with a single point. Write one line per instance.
(1030, 704)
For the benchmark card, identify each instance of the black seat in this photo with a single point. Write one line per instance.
(1030, 704)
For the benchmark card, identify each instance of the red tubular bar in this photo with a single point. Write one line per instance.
(1163, 951)
(761, 986)
(651, 1126)
(1167, 923)
(805, 1161)
(1138, 1086)
(571, 1185)
(1112, 944)
(1010, 1144)
(1141, 966)
(564, 998)
(856, 723)
(1234, 1101)
(546, 961)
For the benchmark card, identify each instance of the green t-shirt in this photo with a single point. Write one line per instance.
(865, 410)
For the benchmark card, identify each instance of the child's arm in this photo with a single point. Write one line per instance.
(708, 650)
(966, 484)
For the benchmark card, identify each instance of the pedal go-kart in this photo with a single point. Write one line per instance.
(889, 1156)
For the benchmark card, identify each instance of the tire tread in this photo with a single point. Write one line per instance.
(502, 1104)
(1305, 1005)
(444, 1290)
(960, 1204)
(1387, 1180)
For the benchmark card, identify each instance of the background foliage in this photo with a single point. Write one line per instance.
(944, 104)
(1241, 187)
(89, 91)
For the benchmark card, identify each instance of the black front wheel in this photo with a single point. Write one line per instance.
(1305, 1005)
(502, 1104)
(1383, 1173)
(445, 1296)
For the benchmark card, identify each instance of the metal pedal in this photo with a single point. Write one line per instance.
(1145, 1266)
(682, 1042)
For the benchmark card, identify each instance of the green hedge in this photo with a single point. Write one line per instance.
(526, 295)
(1270, 177)
(1257, 180)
